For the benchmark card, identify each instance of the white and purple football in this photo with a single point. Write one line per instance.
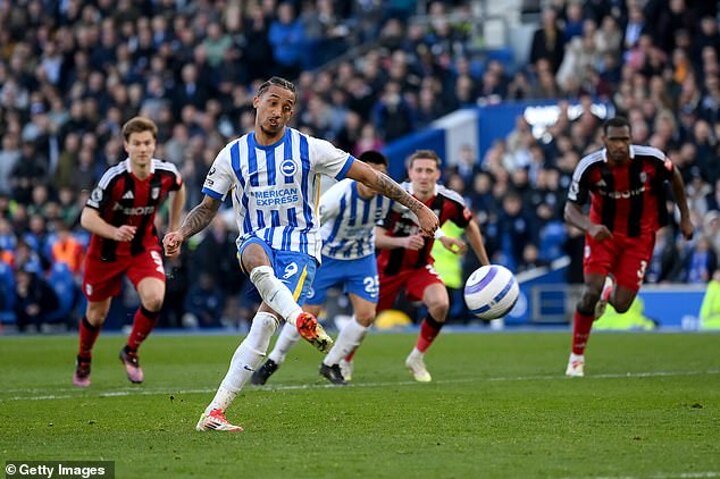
(491, 292)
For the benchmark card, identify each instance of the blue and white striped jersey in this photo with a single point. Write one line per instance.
(276, 188)
(348, 221)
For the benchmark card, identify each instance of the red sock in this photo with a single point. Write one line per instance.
(88, 336)
(581, 332)
(350, 355)
(143, 323)
(429, 329)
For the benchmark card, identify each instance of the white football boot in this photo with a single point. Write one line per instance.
(416, 365)
(215, 421)
(346, 368)
(576, 366)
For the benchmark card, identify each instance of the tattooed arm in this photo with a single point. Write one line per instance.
(386, 186)
(195, 221)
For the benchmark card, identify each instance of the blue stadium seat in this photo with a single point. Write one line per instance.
(506, 56)
(552, 240)
(63, 282)
(7, 294)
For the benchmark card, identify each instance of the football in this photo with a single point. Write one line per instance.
(491, 292)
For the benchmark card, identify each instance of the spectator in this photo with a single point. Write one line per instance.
(203, 303)
(215, 256)
(66, 249)
(665, 263)
(699, 263)
(287, 38)
(515, 229)
(34, 298)
(29, 171)
(392, 115)
(9, 155)
(548, 42)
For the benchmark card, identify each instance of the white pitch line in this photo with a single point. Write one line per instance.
(650, 374)
(298, 387)
(286, 387)
(661, 475)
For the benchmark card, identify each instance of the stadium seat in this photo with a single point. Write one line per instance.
(506, 56)
(7, 294)
(62, 281)
(552, 240)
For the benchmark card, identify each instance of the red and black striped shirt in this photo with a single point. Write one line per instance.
(123, 199)
(400, 222)
(629, 199)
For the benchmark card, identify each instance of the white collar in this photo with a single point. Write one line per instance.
(412, 191)
(604, 153)
(128, 168)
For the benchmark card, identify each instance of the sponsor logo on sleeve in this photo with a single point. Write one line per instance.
(97, 195)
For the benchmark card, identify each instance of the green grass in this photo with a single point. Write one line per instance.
(499, 406)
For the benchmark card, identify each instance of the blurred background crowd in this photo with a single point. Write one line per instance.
(368, 72)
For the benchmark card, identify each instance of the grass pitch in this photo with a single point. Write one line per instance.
(499, 406)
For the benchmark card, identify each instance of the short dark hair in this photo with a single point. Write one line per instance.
(374, 157)
(615, 122)
(277, 81)
(139, 124)
(428, 154)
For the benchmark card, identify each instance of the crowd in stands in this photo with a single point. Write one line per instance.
(657, 64)
(72, 72)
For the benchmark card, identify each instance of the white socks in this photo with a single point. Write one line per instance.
(416, 353)
(349, 338)
(247, 357)
(275, 293)
(289, 336)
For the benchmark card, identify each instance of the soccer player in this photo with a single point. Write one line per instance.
(273, 175)
(120, 214)
(626, 187)
(349, 212)
(405, 261)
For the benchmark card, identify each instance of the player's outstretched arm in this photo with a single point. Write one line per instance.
(575, 217)
(387, 186)
(177, 203)
(678, 189)
(475, 238)
(196, 221)
(91, 220)
(385, 241)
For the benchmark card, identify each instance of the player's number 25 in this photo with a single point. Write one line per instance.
(372, 284)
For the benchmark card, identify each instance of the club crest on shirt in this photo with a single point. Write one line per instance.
(288, 167)
(155, 192)
(643, 177)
